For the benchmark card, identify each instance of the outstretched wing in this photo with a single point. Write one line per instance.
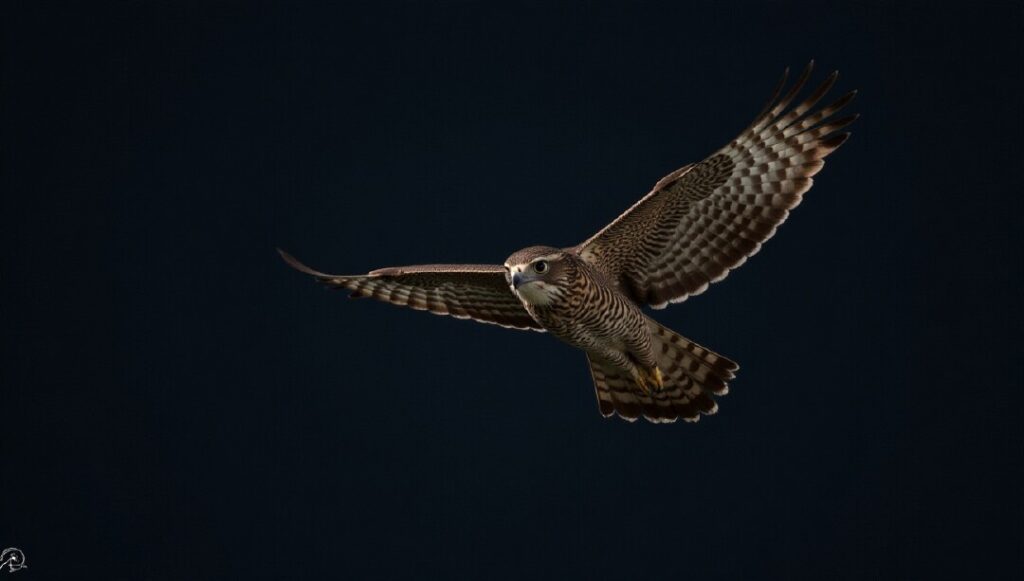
(703, 220)
(465, 291)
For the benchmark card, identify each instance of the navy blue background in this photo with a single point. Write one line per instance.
(179, 404)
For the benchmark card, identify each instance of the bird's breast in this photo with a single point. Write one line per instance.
(590, 316)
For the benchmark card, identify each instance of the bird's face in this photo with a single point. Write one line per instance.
(538, 274)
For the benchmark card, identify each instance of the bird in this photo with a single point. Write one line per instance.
(696, 225)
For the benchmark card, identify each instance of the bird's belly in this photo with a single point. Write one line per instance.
(590, 334)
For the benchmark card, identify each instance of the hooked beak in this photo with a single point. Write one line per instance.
(519, 279)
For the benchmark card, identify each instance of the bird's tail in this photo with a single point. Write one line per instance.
(691, 375)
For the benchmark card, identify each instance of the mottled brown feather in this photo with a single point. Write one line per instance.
(466, 291)
(692, 375)
(705, 219)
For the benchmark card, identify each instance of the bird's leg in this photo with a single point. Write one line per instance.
(646, 378)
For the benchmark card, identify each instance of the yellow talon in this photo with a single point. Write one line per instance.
(659, 379)
(641, 381)
(648, 379)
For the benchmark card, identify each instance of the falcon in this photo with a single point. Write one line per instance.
(696, 225)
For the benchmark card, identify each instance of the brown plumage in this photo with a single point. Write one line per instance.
(698, 223)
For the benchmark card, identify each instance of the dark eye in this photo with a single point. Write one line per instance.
(540, 266)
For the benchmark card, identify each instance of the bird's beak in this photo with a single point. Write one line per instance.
(519, 279)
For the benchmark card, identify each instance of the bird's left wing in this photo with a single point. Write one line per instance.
(703, 220)
(465, 291)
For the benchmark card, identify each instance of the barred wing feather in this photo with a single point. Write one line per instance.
(465, 291)
(705, 219)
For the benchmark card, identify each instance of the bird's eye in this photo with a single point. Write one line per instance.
(540, 266)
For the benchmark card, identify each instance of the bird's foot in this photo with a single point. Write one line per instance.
(640, 380)
(657, 378)
(649, 379)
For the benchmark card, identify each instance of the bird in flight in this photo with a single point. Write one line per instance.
(697, 223)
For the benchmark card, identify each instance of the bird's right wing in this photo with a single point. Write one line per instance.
(465, 291)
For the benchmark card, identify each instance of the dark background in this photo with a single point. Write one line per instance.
(179, 404)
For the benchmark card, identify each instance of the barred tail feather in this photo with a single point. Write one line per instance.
(692, 375)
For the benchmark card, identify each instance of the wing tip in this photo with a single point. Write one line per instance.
(293, 262)
(832, 143)
(299, 266)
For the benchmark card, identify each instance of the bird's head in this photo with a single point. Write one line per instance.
(539, 274)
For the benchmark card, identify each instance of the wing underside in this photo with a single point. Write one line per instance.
(464, 291)
(703, 220)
